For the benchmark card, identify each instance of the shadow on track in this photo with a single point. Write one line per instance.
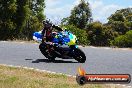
(47, 61)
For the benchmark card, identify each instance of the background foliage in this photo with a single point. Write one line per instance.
(20, 18)
(99, 34)
(123, 40)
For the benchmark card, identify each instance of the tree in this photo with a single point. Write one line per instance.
(7, 15)
(34, 21)
(29, 17)
(37, 7)
(121, 20)
(34, 25)
(20, 18)
(96, 34)
(120, 27)
(121, 15)
(100, 34)
(22, 15)
(80, 15)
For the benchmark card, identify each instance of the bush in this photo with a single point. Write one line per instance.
(123, 40)
(96, 34)
(81, 34)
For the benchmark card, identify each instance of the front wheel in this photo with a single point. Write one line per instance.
(79, 55)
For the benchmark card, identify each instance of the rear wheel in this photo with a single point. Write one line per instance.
(80, 56)
(46, 52)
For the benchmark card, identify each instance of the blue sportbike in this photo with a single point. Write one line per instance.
(63, 45)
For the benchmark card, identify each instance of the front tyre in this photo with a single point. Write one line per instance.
(79, 55)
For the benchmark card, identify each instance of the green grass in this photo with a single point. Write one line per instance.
(12, 77)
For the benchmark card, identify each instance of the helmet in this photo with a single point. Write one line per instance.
(47, 24)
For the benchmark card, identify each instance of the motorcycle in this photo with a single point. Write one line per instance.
(63, 46)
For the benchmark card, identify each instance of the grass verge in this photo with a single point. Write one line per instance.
(12, 77)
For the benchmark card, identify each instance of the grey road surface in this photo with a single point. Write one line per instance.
(99, 60)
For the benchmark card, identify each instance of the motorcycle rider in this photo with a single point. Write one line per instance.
(47, 35)
(47, 31)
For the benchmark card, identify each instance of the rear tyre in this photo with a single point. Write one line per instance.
(46, 53)
(80, 56)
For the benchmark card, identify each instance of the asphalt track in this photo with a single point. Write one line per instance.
(99, 60)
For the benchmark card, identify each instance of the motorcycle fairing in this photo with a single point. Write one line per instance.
(65, 37)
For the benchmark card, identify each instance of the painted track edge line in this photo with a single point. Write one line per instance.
(39, 70)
